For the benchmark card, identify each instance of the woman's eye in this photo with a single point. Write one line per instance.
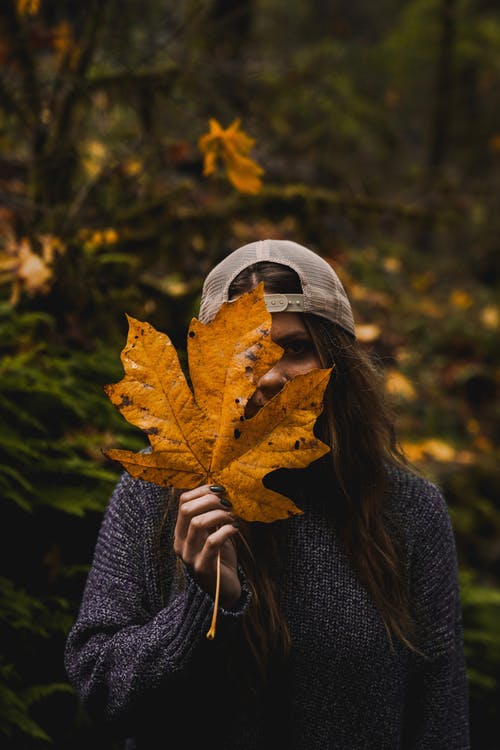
(298, 347)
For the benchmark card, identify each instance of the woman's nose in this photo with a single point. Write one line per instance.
(272, 381)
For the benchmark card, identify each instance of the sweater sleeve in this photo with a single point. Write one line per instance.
(437, 699)
(121, 647)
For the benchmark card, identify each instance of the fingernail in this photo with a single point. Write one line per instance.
(224, 501)
(216, 488)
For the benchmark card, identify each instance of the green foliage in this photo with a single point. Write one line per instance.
(481, 620)
(56, 420)
(23, 618)
(47, 393)
(481, 616)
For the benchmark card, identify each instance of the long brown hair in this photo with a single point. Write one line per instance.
(359, 426)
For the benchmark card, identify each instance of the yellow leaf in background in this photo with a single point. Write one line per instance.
(460, 299)
(27, 7)
(398, 384)
(33, 271)
(201, 434)
(391, 264)
(94, 239)
(231, 146)
(95, 156)
(110, 236)
(243, 173)
(490, 317)
(367, 332)
(430, 448)
(132, 167)
(27, 271)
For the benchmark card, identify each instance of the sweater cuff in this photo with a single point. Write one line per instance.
(233, 613)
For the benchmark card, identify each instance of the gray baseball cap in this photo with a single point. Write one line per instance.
(322, 290)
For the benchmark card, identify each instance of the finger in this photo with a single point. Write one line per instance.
(188, 495)
(196, 519)
(200, 528)
(205, 562)
(216, 489)
(219, 490)
(194, 503)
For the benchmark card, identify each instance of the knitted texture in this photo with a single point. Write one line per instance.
(141, 665)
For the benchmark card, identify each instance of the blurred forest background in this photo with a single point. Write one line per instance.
(377, 126)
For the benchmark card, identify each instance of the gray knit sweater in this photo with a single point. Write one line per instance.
(143, 669)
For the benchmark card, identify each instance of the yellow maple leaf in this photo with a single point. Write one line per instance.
(199, 434)
(231, 145)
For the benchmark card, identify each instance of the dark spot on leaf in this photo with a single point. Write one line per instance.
(126, 401)
(236, 401)
(136, 337)
(248, 370)
(270, 442)
(237, 433)
(242, 419)
(191, 334)
(151, 431)
(297, 444)
(251, 356)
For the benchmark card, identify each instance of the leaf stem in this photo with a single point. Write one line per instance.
(211, 631)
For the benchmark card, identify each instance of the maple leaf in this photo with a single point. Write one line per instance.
(232, 146)
(199, 433)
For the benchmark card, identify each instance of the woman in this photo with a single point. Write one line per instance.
(338, 628)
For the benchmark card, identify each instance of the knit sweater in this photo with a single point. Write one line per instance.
(139, 660)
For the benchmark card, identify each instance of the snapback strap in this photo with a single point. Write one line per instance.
(284, 302)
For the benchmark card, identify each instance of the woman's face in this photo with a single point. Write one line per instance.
(289, 331)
